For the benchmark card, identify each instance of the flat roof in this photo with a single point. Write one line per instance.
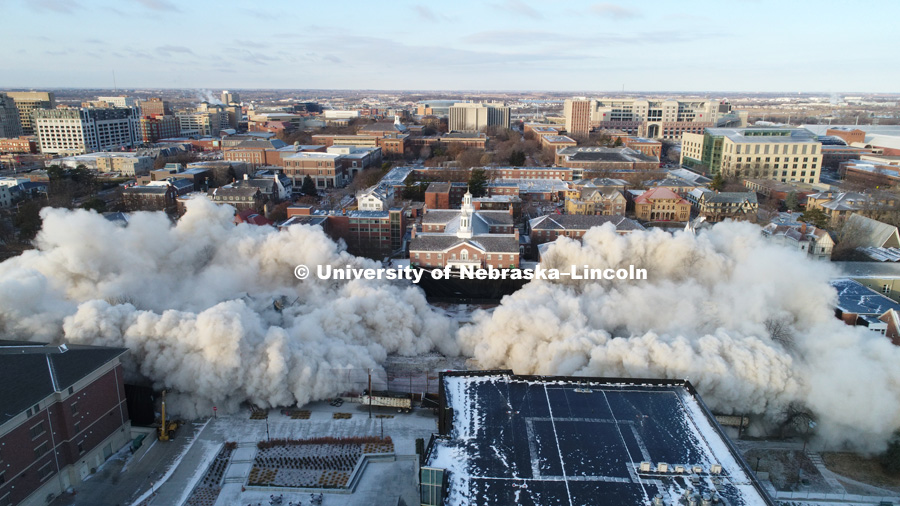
(531, 440)
(854, 297)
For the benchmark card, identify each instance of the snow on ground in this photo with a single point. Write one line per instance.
(173, 466)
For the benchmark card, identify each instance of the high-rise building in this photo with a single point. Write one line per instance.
(658, 119)
(155, 107)
(120, 101)
(27, 102)
(473, 117)
(201, 124)
(86, 130)
(154, 128)
(9, 117)
(578, 116)
(780, 154)
(230, 97)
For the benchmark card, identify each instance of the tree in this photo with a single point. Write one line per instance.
(309, 186)
(55, 173)
(791, 202)
(890, 459)
(28, 220)
(815, 217)
(618, 142)
(95, 204)
(517, 158)
(478, 182)
(718, 182)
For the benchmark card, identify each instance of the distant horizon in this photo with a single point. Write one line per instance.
(594, 93)
(761, 46)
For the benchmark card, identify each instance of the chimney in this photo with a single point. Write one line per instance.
(803, 228)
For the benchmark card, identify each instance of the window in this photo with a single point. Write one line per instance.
(885, 289)
(45, 471)
(74, 408)
(41, 450)
(37, 430)
(77, 427)
(71, 390)
(80, 446)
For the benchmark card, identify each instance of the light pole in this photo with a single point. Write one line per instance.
(267, 427)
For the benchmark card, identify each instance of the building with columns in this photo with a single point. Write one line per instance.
(465, 237)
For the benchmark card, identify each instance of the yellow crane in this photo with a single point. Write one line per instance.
(165, 429)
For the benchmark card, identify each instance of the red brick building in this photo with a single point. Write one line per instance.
(466, 237)
(850, 135)
(548, 228)
(23, 144)
(444, 195)
(156, 127)
(64, 414)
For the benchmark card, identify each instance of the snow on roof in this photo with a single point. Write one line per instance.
(530, 440)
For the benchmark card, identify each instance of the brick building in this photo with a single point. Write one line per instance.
(21, 144)
(64, 414)
(466, 237)
(661, 204)
(156, 127)
(256, 152)
(849, 135)
(547, 228)
(598, 159)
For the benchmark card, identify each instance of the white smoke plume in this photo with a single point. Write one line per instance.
(749, 323)
(193, 303)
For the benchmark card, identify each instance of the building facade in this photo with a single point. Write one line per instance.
(154, 128)
(781, 154)
(661, 204)
(27, 102)
(64, 413)
(658, 119)
(473, 117)
(10, 126)
(85, 130)
(578, 116)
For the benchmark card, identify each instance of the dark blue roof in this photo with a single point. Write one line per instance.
(854, 297)
(537, 441)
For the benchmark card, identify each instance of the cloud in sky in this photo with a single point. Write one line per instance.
(427, 14)
(518, 7)
(169, 50)
(615, 11)
(159, 5)
(60, 6)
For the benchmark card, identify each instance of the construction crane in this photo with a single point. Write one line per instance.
(165, 429)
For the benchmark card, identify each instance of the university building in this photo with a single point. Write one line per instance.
(781, 154)
(658, 119)
(64, 413)
(86, 130)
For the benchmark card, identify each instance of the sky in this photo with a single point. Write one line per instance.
(637, 45)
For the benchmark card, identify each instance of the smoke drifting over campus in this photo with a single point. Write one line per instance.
(749, 323)
(193, 303)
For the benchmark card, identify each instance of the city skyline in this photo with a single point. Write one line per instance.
(512, 45)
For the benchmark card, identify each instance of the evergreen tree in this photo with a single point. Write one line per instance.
(718, 182)
(478, 183)
(309, 187)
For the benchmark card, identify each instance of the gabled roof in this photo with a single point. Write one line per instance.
(659, 193)
(26, 377)
(488, 243)
(581, 222)
(873, 233)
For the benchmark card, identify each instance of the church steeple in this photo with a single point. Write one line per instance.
(465, 217)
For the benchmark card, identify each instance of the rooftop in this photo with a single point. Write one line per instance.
(26, 376)
(530, 440)
(853, 297)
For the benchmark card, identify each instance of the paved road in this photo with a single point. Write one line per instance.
(125, 477)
